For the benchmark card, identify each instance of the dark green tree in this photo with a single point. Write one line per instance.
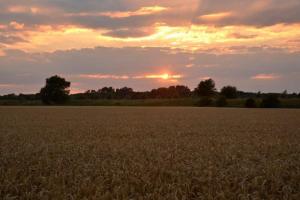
(229, 92)
(55, 91)
(206, 88)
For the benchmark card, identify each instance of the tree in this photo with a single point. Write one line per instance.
(270, 101)
(55, 91)
(250, 103)
(229, 92)
(124, 93)
(258, 95)
(206, 88)
(183, 91)
(107, 92)
(284, 94)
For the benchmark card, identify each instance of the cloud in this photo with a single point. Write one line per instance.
(248, 12)
(124, 14)
(265, 77)
(103, 76)
(120, 14)
(215, 16)
(10, 39)
(50, 25)
(147, 68)
(130, 33)
(231, 42)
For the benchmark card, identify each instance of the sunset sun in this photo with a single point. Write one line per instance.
(165, 76)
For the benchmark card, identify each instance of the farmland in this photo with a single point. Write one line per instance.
(149, 153)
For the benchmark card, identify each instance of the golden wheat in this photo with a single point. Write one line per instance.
(149, 153)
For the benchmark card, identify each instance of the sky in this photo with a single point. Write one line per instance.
(251, 44)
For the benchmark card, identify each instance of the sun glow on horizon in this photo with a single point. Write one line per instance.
(163, 76)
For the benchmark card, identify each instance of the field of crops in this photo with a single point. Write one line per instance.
(149, 153)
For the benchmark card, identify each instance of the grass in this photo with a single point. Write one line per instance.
(149, 153)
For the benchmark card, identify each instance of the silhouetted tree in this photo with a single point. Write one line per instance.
(178, 91)
(124, 93)
(206, 88)
(270, 101)
(229, 92)
(221, 101)
(258, 95)
(284, 94)
(55, 91)
(183, 91)
(9, 97)
(92, 94)
(250, 103)
(107, 92)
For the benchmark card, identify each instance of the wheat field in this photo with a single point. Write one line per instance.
(149, 153)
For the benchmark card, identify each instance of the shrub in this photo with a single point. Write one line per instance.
(205, 101)
(270, 101)
(250, 103)
(221, 101)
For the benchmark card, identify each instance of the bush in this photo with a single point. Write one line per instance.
(250, 103)
(221, 101)
(270, 101)
(205, 101)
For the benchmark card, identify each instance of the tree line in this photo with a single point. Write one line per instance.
(56, 91)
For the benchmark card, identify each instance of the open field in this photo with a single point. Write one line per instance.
(149, 153)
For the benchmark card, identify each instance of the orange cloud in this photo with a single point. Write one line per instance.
(265, 77)
(16, 25)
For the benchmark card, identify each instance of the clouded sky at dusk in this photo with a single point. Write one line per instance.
(252, 44)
